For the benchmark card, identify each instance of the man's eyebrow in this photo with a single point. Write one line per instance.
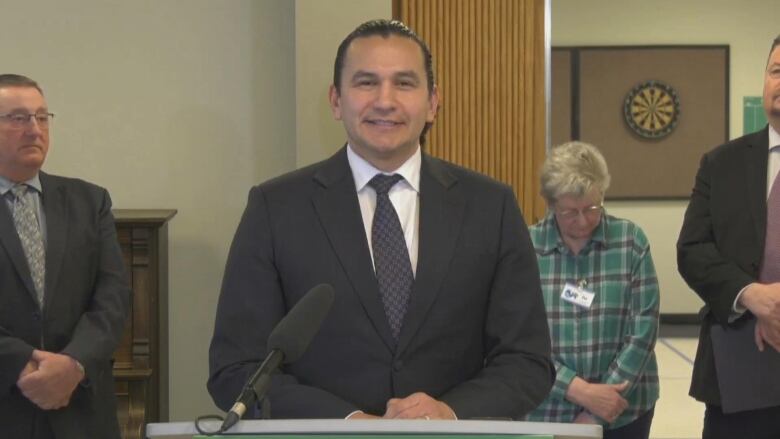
(408, 74)
(17, 110)
(363, 74)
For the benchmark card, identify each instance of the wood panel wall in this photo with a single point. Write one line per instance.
(489, 64)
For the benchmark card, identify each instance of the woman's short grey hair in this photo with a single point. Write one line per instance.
(573, 168)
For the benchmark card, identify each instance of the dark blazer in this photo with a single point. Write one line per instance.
(85, 306)
(475, 334)
(721, 243)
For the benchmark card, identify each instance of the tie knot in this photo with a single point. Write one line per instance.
(382, 183)
(19, 191)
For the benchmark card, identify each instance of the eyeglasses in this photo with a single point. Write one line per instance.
(590, 212)
(20, 120)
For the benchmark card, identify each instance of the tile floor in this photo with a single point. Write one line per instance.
(677, 415)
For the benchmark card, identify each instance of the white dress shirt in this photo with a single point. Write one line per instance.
(405, 197)
(35, 183)
(773, 166)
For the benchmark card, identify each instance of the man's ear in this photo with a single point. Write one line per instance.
(333, 99)
(433, 104)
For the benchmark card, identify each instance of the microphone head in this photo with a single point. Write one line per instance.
(295, 331)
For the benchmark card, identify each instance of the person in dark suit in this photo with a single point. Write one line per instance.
(438, 311)
(63, 291)
(728, 252)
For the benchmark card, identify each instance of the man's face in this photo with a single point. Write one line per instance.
(772, 88)
(384, 101)
(22, 149)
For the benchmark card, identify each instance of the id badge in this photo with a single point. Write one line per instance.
(577, 295)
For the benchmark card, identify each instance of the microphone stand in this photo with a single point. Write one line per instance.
(254, 389)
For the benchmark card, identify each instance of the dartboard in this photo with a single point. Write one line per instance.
(651, 109)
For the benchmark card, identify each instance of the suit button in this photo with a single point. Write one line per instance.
(36, 315)
(397, 365)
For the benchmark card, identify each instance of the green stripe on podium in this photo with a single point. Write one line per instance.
(379, 436)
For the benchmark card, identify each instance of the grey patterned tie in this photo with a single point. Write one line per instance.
(29, 231)
(391, 256)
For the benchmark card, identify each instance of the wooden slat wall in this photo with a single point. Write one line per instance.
(489, 62)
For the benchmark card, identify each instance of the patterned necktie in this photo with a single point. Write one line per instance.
(770, 264)
(391, 256)
(29, 231)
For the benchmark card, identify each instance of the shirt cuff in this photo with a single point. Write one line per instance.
(78, 364)
(737, 309)
(454, 415)
(353, 414)
(563, 380)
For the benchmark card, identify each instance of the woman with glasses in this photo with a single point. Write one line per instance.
(601, 295)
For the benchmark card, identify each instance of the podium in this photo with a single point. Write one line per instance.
(378, 429)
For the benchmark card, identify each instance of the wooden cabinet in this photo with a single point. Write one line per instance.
(141, 359)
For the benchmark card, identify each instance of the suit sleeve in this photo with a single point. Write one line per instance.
(14, 352)
(714, 278)
(14, 355)
(518, 371)
(251, 303)
(99, 328)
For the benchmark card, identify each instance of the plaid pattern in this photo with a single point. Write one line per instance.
(612, 341)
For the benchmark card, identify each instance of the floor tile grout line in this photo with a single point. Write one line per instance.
(676, 351)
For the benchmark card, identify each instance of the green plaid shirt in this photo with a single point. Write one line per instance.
(613, 340)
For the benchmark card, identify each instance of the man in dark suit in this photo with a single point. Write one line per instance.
(729, 253)
(438, 311)
(63, 291)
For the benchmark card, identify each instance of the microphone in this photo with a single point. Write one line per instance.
(286, 343)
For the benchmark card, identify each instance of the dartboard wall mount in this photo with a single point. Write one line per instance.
(589, 87)
(651, 109)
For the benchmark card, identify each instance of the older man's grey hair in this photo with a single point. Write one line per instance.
(573, 168)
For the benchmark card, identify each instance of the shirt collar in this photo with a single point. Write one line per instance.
(363, 171)
(552, 240)
(774, 138)
(6, 184)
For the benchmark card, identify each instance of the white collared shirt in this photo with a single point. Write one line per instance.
(773, 165)
(405, 197)
(35, 183)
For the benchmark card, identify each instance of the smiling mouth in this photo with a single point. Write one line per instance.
(383, 123)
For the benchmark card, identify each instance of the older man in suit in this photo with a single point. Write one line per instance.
(63, 291)
(438, 311)
(729, 253)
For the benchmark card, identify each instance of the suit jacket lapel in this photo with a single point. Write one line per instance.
(54, 207)
(338, 210)
(756, 165)
(441, 216)
(10, 240)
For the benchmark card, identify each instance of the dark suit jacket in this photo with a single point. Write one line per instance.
(475, 334)
(721, 243)
(85, 306)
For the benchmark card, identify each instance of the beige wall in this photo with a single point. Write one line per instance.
(184, 104)
(747, 26)
(319, 28)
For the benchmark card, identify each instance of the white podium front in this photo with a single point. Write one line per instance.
(302, 427)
